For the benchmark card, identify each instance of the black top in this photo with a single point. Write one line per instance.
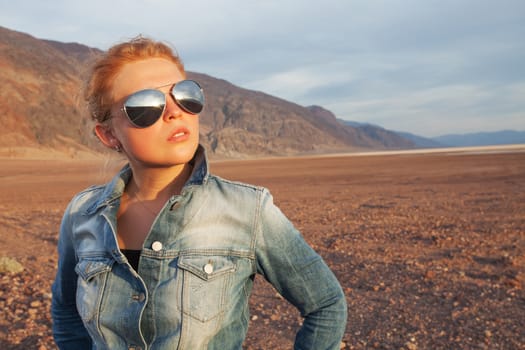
(133, 257)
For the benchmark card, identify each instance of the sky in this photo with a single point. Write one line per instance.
(421, 66)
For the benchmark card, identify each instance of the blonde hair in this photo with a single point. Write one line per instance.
(97, 91)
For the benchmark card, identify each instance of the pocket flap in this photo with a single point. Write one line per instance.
(88, 268)
(206, 267)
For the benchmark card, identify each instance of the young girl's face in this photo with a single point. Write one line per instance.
(174, 137)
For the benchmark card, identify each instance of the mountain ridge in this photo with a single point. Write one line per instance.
(42, 83)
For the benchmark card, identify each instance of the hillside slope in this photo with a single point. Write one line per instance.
(42, 94)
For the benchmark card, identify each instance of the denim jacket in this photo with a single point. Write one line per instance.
(195, 275)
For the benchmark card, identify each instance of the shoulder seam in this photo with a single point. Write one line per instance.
(238, 183)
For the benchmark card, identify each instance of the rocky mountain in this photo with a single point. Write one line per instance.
(42, 104)
(40, 93)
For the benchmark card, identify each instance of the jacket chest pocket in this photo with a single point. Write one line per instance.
(205, 285)
(92, 277)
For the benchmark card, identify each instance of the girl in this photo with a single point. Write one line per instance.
(164, 255)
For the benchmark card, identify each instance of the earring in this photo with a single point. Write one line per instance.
(118, 148)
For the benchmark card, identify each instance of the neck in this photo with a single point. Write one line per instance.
(151, 184)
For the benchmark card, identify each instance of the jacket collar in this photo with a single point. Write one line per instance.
(200, 173)
(114, 189)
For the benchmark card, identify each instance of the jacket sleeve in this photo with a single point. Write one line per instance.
(68, 330)
(301, 276)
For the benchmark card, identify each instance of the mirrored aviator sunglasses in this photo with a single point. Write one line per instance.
(145, 107)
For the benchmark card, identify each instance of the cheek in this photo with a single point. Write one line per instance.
(193, 125)
(141, 138)
(195, 121)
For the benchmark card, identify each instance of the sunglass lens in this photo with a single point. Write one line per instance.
(145, 107)
(189, 96)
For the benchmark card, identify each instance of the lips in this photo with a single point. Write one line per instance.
(179, 134)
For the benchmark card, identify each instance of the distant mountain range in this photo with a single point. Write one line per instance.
(504, 137)
(42, 107)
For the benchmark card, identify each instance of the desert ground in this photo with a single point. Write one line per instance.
(429, 247)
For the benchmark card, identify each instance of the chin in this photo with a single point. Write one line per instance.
(182, 155)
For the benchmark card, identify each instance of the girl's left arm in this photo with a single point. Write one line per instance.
(302, 277)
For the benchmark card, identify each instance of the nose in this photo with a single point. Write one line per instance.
(172, 110)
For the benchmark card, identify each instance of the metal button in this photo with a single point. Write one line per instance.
(208, 268)
(139, 297)
(156, 246)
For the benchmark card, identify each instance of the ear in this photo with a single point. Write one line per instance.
(106, 136)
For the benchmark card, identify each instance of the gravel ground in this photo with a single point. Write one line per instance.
(430, 249)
